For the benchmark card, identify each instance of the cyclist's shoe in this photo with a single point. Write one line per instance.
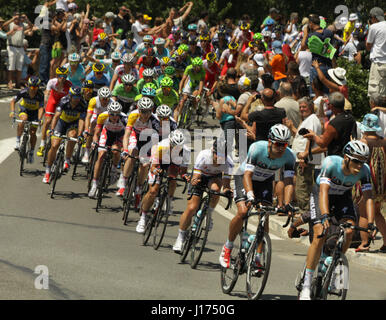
(141, 225)
(177, 248)
(225, 257)
(93, 191)
(30, 158)
(46, 178)
(66, 167)
(85, 158)
(258, 272)
(120, 192)
(121, 182)
(305, 294)
(40, 151)
(17, 146)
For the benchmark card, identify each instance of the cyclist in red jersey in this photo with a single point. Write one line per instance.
(147, 61)
(212, 71)
(56, 89)
(205, 45)
(229, 58)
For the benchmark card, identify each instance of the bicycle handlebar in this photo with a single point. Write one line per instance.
(227, 195)
(343, 226)
(290, 217)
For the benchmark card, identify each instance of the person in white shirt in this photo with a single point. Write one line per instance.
(63, 4)
(305, 162)
(138, 28)
(376, 44)
(304, 60)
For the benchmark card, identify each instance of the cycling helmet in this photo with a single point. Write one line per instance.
(98, 67)
(165, 61)
(147, 38)
(128, 79)
(266, 33)
(150, 52)
(116, 55)
(204, 37)
(175, 29)
(150, 85)
(166, 82)
(114, 107)
(270, 22)
(75, 91)
(211, 56)
(128, 58)
(159, 41)
(163, 111)
(356, 149)
(99, 53)
(61, 71)
(184, 35)
(179, 53)
(222, 31)
(102, 36)
(197, 61)
(233, 45)
(74, 57)
(279, 132)
(183, 47)
(88, 84)
(192, 39)
(145, 103)
(258, 36)
(169, 70)
(245, 26)
(148, 91)
(176, 138)
(104, 92)
(192, 27)
(33, 81)
(149, 72)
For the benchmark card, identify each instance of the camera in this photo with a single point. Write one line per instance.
(303, 131)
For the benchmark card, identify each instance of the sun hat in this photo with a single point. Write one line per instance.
(110, 15)
(377, 13)
(353, 17)
(146, 17)
(338, 75)
(244, 82)
(370, 122)
(259, 59)
(276, 47)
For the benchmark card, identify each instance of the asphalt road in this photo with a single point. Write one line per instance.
(92, 255)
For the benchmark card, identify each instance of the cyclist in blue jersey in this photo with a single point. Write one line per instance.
(331, 195)
(99, 79)
(128, 45)
(76, 72)
(254, 182)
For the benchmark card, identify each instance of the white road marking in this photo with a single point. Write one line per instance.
(6, 99)
(6, 148)
(251, 227)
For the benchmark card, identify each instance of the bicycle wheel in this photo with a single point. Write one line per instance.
(76, 159)
(257, 277)
(187, 245)
(23, 153)
(199, 241)
(90, 168)
(129, 197)
(335, 285)
(149, 227)
(181, 122)
(230, 275)
(162, 220)
(56, 172)
(101, 184)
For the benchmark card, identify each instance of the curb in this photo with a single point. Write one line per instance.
(370, 260)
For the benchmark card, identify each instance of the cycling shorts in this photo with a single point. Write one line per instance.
(172, 172)
(63, 127)
(52, 103)
(341, 206)
(261, 189)
(198, 189)
(110, 138)
(189, 89)
(32, 115)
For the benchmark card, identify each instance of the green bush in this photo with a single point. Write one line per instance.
(357, 80)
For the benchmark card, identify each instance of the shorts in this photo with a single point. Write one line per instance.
(172, 172)
(189, 89)
(33, 115)
(110, 138)
(261, 189)
(199, 189)
(341, 206)
(15, 58)
(63, 127)
(51, 106)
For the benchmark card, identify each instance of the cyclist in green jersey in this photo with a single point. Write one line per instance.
(148, 77)
(126, 92)
(166, 94)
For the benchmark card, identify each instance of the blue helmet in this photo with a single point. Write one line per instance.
(150, 92)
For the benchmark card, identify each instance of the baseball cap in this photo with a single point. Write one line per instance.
(370, 123)
(146, 17)
(276, 46)
(72, 6)
(109, 15)
(353, 17)
(259, 59)
(377, 13)
(244, 82)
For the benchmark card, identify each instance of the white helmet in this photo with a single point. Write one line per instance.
(127, 58)
(355, 149)
(116, 55)
(148, 72)
(279, 132)
(163, 111)
(99, 52)
(176, 137)
(74, 57)
(128, 79)
(104, 92)
(114, 107)
(145, 103)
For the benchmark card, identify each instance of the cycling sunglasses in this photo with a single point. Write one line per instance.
(164, 118)
(114, 114)
(33, 87)
(357, 161)
(280, 144)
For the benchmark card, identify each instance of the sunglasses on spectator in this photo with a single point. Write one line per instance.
(280, 144)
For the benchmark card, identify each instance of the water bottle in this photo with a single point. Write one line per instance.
(196, 219)
(244, 239)
(251, 238)
(326, 264)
